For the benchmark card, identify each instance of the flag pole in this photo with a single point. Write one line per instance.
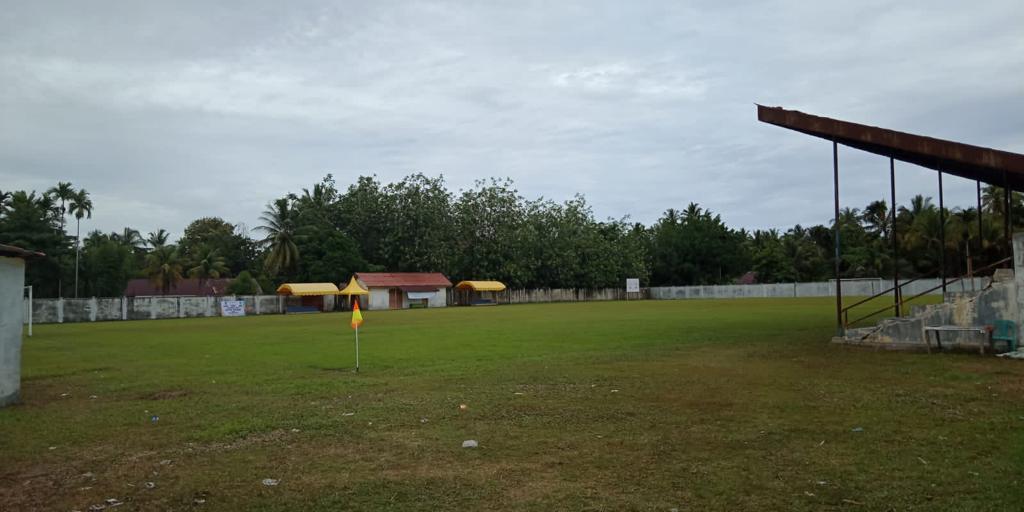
(357, 349)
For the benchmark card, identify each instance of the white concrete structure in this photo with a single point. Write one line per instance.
(12, 287)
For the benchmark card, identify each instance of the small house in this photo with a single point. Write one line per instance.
(403, 290)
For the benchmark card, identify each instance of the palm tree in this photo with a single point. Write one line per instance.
(81, 206)
(131, 238)
(163, 267)
(158, 239)
(279, 225)
(207, 265)
(5, 201)
(65, 192)
(876, 216)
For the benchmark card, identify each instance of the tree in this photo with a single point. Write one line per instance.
(107, 264)
(65, 192)
(158, 238)
(81, 206)
(696, 247)
(26, 222)
(163, 268)
(279, 226)
(207, 264)
(244, 284)
(5, 201)
(230, 242)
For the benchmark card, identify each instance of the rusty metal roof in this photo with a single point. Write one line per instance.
(18, 252)
(956, 158)
(403, 279)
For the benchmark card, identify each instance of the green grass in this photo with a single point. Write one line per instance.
(695, 405)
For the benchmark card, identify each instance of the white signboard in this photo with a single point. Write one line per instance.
(632, 285)
(232, 308)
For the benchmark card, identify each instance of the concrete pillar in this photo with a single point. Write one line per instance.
(93, 306)
(124, 308)
(152, 308)
(1018, 275)
(12, 288)
(256, 303)
(60, 311)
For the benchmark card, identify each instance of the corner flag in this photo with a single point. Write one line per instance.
(357, 317)
(357, 320)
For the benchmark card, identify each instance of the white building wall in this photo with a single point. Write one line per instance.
(378, 298)
(439, 300)
(12, 288)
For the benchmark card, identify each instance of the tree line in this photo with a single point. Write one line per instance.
(488, 231)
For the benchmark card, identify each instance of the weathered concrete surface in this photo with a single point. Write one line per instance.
(12, 289)
(141, 308)
(858, 288)
(998, 302)
(108, 309)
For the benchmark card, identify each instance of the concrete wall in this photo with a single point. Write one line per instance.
(12, 289)
(148, 308)
(858, 288)
(141, 308)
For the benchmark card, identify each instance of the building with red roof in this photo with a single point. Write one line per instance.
(402, 290)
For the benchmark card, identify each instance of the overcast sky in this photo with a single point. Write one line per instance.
(169, 111)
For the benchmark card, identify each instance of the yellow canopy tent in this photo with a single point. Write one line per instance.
(307, 289)
(481, 286)
(310, 296)
(478, 293)
(353, 288)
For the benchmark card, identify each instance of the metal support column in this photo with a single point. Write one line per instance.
(892, 234)
(1007, 217)
(981, 230)
(839, 282)
(942, 237)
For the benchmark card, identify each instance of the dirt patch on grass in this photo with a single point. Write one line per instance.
(168, 394)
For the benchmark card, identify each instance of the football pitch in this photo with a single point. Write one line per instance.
(651, 405)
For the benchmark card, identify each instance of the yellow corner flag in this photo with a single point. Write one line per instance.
(357, 317)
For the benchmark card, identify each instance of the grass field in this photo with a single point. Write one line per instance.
(695, 405)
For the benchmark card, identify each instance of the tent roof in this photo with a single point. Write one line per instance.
(303, 289)
(991, 166)
(353, 288)
(481, 286)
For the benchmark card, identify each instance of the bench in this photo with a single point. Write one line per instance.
(939, 329)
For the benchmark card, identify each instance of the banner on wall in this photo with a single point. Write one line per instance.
(232, 308)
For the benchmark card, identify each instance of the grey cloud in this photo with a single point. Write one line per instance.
(171, 111)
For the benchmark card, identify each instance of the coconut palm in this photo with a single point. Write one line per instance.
(279, 225)
(131, 238)
(876, 216)
(65, 192)
(163, 267)
(208, 264)
(81, 206)
(158, 238)
(5, 201)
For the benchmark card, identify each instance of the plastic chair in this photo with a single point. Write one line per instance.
(1005, 330)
